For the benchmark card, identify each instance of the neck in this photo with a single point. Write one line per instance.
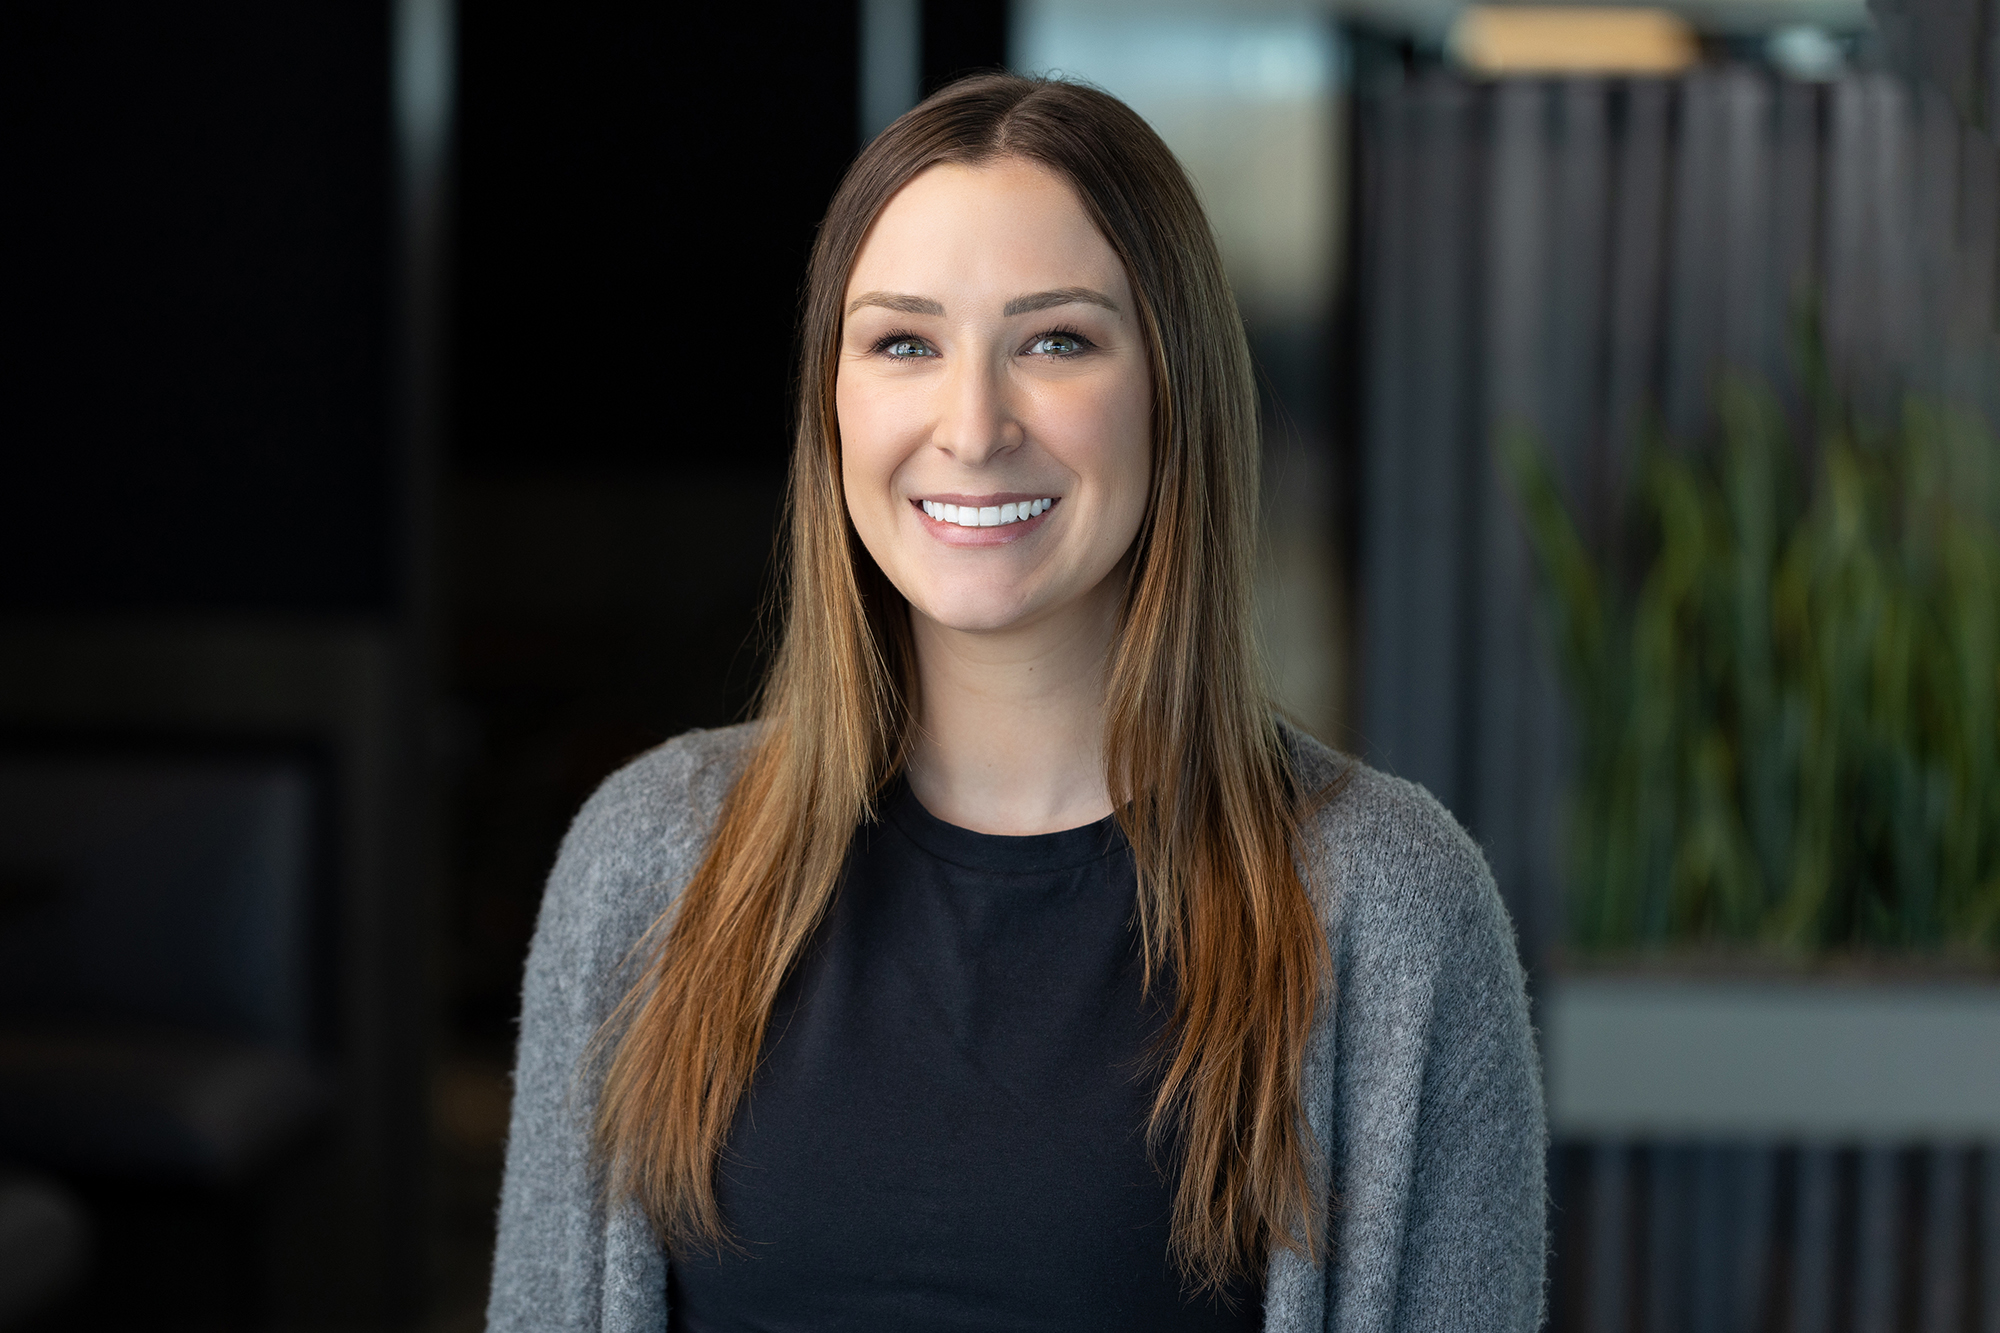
(1010, 727)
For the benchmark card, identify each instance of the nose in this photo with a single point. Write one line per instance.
(975, 421)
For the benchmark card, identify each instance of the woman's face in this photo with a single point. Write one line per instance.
(995, 399)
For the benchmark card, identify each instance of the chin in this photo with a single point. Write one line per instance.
(973, 623)
(974, 611)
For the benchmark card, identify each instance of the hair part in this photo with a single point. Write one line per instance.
(1198, 773)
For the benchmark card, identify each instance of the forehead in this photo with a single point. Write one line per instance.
(1002, 228)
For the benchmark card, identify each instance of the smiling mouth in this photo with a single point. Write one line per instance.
(985, 516)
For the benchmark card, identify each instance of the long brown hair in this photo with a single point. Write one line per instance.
(1196, 767)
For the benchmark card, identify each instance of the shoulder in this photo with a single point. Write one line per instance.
(632, 847)
(1426, 965)
(1391, 867)
(659, 801)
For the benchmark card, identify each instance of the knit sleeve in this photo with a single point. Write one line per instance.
(561, 1261)
(1474, 1240)
(550, 1252)
(1437, 1138)
(551, 1229)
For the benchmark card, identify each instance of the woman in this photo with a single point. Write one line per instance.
(1016, 968)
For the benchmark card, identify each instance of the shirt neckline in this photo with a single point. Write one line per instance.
(999, 853)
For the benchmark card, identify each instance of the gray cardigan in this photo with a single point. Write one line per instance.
(1422, 1077)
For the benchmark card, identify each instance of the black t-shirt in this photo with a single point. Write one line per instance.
(948, 1127)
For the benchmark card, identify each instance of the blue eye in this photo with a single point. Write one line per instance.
(902, 347)
(1057, 344)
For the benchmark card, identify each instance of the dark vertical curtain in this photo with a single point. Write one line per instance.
(1581, 258)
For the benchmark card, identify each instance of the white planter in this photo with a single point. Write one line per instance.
(1805, 1060)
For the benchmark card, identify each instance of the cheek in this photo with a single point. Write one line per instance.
(1116, 443)
(870, 454)
(862, 451)
(878, 430)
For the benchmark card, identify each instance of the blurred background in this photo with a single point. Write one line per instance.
(394, 436)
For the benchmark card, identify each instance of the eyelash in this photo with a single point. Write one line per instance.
(888, 340)
(1083, 344)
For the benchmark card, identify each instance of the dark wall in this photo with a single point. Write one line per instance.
(205, 524)
(638, 190)
(196, 282)
(639, 184)
(961, 37)
(639, 187)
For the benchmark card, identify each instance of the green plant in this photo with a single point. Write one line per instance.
(1789, 705)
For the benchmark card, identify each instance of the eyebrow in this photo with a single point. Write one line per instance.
(1020, 305)
(909, 305)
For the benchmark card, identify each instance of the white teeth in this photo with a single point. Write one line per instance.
(985, 516)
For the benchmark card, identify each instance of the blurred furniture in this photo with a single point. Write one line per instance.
(1778, 1153)
(339, 1231)
(44, 1245)
(164, 1043)
(1830, 1058)
(157, 988)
